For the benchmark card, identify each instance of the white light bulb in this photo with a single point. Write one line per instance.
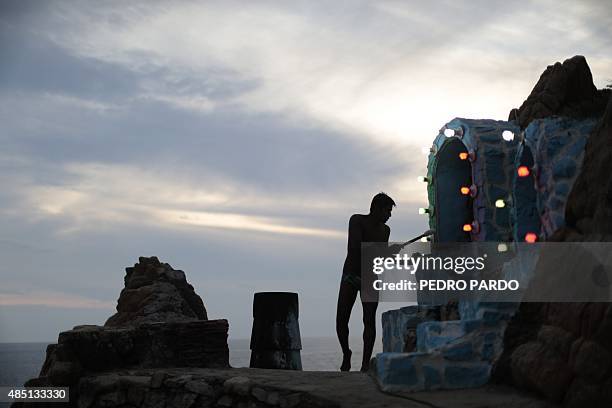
(508, 135)
(449, 132)
(500, 203)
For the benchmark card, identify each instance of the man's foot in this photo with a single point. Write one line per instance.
(346, 361)
(366, 366)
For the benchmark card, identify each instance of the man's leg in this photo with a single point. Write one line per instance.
(369, 332)
(346, 300)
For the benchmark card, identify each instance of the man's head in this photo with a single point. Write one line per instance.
(381, 207)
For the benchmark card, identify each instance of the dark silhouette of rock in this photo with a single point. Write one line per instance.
(536, 366)
(160, 323)
(564, 89)
(572, 361)
(154, 292)
(589, 206)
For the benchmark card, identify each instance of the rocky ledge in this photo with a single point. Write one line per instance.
(259, 388)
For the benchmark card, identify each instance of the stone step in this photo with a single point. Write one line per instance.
(463, 339)
(399, 326)
(410, 372)
(492, 311)
(433, 335)
(449, 354)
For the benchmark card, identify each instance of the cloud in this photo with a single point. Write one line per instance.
(110, 195)
(72, 102)
(395, 77)
(239, 222)
(262, 151)
(194, 103)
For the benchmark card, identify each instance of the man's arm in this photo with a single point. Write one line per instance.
(393, 249)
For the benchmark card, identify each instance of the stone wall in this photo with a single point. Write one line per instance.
(168, 389)
(183, 388)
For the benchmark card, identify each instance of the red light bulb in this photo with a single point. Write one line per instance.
(523, 171)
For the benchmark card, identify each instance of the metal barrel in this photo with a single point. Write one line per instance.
(275, 338)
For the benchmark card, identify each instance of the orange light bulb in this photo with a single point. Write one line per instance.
(531, 237)
(465, 190)
(463, 155)
(467, 227)
(523, 171)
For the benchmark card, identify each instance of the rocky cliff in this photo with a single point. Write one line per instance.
(563, 351)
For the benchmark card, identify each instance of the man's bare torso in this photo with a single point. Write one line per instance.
(362, 228)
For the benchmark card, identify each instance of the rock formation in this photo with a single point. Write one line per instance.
(160, 323)
(589, 207)
(154, 292)
(564, 350)
(564, 89)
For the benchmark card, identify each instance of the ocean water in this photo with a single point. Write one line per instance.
(318, 353)
(22, 361)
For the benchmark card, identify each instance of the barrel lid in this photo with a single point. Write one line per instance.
(275, 305)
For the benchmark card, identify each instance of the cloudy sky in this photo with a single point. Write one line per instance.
(234, 139)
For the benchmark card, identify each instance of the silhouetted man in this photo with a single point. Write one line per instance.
(362, 228)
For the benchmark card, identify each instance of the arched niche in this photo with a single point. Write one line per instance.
(452, 208)
(525, 197)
